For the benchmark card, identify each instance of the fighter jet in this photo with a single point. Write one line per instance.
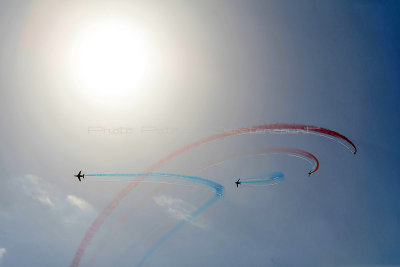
(238, 182)
(79, 175)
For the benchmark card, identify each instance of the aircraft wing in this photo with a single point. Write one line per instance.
(79, 178)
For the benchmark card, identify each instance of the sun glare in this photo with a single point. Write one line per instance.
(111, 61)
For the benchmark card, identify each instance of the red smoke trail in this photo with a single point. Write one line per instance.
(98, 222)
(294, 151)
(291, 151)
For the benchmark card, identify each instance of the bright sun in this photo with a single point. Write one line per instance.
(111, 61)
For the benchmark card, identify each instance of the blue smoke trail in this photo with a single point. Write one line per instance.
(177, 227)
(262, 178)
(219, 192)
(219, 189)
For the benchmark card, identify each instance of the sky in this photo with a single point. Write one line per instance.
(112, 87)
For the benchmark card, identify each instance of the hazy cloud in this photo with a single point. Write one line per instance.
(36, 209)
(79, 202)
(45, 200)
(35, 189)
(2, 252)
(179, 209)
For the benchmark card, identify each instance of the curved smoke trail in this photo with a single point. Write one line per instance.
(219, 189)
(98, 222)
(291, 151)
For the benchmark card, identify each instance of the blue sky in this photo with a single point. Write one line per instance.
(215, 66)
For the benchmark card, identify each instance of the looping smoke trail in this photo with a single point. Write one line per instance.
(219, 189)
(98, 222)
(273, 150)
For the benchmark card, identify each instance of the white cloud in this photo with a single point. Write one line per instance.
(46, 200)
(36, 190)
(167, 200)
(2, 252)
(34, 179)
(79, 202)
(179, 209)
(48, 195)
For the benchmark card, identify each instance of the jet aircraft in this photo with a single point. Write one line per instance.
(79, 176)
(238, 182)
